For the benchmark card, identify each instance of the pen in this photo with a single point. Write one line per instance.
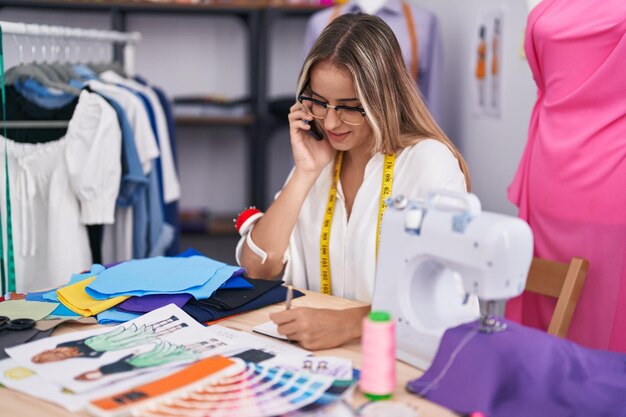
(289, 297)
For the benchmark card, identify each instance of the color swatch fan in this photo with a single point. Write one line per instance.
(219, 386)
(249, 390)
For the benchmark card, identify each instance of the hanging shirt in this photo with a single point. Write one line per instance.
(20, 106)
(133, 179)
(128, 238)
(45, 97)
(59, 187)
(428, 40)
(145, 141)
(118, 241)
(171, 186)
(420, 168)
(171, 209)
(55, 104)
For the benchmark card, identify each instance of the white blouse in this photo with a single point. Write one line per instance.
(57, 188)
(418, 169)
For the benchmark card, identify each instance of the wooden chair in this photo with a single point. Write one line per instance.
(562, 281)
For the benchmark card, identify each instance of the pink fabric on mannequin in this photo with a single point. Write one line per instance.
(571, 182)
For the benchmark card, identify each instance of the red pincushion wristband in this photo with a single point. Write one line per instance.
(246, 219)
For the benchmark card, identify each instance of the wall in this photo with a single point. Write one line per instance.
(207, 54)
(492, 147)
(200, 54)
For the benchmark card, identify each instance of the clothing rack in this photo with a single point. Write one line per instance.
(128, 39)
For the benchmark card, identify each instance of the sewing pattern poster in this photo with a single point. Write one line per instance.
(84, 361)
(72, 368)
(487, 63)
(26, 381)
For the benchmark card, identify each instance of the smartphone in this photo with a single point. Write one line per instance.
(314, 132)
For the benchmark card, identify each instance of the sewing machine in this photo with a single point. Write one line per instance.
(436, 257)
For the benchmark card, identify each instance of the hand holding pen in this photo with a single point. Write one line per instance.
(318, 328)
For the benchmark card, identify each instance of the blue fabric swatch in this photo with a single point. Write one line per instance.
(38, 296)
(114, 316)
(52, 295)
(61, 310)
(236, 281)
(196, 275)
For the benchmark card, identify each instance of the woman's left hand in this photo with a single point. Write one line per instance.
(316, 328)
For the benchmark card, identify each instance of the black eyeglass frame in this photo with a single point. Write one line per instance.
(338, 108)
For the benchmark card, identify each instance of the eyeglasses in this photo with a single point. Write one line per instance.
(351, 115)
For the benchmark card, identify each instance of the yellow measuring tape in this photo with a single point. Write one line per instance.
(385, 191)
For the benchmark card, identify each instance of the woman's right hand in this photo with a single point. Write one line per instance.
(310, 155)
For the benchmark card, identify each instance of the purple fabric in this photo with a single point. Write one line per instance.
(148, 303)
(152, 302)
(523, 372)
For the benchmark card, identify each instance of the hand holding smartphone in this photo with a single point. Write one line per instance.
(314, 132)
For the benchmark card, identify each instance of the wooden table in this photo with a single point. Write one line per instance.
(15, 404)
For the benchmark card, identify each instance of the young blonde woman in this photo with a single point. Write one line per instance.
(377, 139)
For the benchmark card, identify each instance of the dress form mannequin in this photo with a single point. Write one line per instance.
(531, 4)
(573, 49)
(371, 6)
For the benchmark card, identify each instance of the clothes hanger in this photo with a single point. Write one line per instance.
(64, 70)
(371, 6)
(46, 66)
(23, 70)
(106, 62)
(64, 73)
(41, 73)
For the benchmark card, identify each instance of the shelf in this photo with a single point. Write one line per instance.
(212, 232)
(258, 17)
(246, 120)
(215, 246)
(230, 7)
(202, 222)
(139, 6)
(294, 9)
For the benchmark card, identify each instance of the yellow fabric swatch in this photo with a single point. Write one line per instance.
(76, 299)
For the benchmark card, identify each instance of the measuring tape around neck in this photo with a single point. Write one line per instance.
(385, 191)
(410, 25)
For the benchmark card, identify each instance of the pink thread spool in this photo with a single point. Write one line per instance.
(378, 373)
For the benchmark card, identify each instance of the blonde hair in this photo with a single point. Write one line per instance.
(368, 49)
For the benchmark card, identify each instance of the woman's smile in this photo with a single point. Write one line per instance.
(337, 136)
